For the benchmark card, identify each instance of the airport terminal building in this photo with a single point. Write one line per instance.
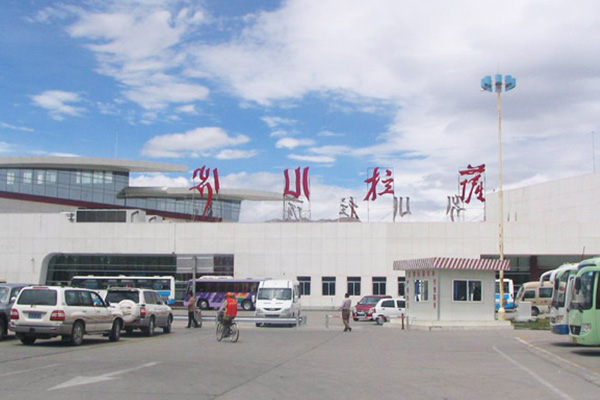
(67, 216)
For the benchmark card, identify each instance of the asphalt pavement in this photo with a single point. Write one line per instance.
(312, 361)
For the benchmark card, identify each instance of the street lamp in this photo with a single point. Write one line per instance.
(508, 83)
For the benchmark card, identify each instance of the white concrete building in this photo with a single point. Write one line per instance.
(43, 237)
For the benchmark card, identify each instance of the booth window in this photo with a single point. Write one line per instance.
(421, 290)
(466, 290)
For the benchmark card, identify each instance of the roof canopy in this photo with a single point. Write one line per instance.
(452, 263)
(91, 163)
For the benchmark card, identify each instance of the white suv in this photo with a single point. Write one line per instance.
(386, 309)
(142, 309)
(44, 312)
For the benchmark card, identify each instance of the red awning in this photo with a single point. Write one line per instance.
(451, 263)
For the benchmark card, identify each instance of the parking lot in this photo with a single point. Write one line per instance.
(308, 362)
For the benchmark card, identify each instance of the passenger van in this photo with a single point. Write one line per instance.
(538, 294)
(278, 299)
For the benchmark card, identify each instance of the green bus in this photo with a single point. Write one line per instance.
(584, 313)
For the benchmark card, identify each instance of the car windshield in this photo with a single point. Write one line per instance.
(368, 300)
(4, 294)
(40, 297)
(118, 296)
(275, 294)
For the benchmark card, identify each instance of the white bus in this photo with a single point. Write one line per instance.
(164, 285)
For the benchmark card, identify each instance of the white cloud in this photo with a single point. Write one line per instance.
(159, 180)
(59, 103)
(199, 141)
(274, 122)
(187, 109)
(139, 44)
(313, 159)
(5, 147)
(292, 143)
(230, 154)
(15, 128)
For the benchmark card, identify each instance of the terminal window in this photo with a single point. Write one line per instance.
(354, 285)
(304, 282)
(329, 286)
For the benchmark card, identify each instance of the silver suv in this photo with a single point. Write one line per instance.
(142, 309)
(45, 312)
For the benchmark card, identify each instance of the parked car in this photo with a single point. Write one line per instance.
(8, 294)
(45, 312)
(365, 304)
(386, 309)
(142, 309)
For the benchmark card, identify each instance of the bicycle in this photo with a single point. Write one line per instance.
(233, 334)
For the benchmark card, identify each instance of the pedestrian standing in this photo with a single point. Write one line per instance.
(346, 304)
(192, 312)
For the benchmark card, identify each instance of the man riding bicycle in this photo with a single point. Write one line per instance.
(229, 308)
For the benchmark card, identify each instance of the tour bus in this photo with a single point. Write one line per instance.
(584, 312)
(164, 285)
(278, 299)
(562, 279)
(509, 294)
(211, 291)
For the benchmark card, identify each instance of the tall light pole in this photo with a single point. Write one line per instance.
(499, 84)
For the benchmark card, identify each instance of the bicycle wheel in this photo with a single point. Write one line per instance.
(220, 331)
(234, 333)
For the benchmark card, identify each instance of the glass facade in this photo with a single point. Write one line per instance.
(63, 267)
(103, 187)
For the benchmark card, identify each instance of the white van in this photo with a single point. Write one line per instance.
(278, 299)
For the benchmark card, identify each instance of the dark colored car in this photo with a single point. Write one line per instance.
(8, 294)
(365, 304)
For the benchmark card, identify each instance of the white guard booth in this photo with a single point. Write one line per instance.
(454, 293)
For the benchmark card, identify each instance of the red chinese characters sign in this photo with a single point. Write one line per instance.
(471, 183)
(387, 181)
(211, 187)
(301, 184)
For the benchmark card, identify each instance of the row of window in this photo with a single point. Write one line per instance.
(353, 285)
(462, 290)
(103, 187)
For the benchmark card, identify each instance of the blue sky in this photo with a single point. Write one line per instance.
(340, 86)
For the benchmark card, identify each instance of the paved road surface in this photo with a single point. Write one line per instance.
(309, 362)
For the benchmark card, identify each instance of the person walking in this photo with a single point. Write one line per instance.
(191, 307)
(346, 304)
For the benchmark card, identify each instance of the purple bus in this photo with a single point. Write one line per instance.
(211, 291)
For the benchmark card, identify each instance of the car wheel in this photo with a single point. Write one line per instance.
(246, 305)
(149, 331)
(355, 319)
(203, 304)
(27, 340)
(380, 320)
(77, 333)
(2, 329)
(115, 332)
(167, 328)
(535, 311)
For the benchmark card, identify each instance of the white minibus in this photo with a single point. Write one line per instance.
(278, 299)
